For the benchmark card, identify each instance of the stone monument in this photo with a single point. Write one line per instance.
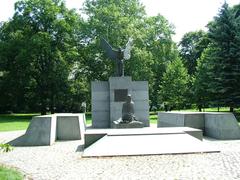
(108, 96)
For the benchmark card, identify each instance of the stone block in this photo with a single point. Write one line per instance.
(100, 96)
(99, 86)
(141, 105)
(68, 127)
(101, 123)
(143, 116)
(216, 125)
(140, 95)
(221, 126)
(168, 119)
(120, 82)
(195, 120)
(140, 86)
(45, 130)
(100, 106)
(105, 107)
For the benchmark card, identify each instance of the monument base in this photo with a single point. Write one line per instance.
(118, 124)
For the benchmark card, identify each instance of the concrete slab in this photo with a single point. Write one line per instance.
(129, 145)
(93, 135)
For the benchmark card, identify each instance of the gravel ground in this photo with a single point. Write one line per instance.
(63, 161)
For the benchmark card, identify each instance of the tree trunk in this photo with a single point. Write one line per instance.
(231, 109)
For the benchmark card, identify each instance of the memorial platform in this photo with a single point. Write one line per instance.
(144, 141)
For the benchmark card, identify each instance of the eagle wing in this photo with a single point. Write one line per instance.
(111, 53)
(126, 52)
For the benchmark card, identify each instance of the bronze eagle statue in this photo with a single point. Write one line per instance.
(118, 55)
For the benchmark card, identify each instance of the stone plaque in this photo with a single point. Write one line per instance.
(120, 95)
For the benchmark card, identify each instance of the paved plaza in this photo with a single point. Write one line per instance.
(63, 160)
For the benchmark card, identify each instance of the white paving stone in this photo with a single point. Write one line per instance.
(63, 161)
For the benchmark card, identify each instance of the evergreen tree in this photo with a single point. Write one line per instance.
(204, 79)
(223, 33)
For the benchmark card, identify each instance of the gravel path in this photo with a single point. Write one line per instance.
(63, 161)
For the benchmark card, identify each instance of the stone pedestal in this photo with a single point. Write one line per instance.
(108, 98)
(118, 124)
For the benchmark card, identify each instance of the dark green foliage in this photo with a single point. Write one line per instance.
(224, 35)
(116, 22)
(218, 70)
(203, 92)
(191, 48)
(38, 49)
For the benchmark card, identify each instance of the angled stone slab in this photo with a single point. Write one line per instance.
(130, 145)
(45, 130)
(40, 132)
(221, 126)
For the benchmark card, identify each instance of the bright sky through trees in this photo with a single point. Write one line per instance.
(185, 15)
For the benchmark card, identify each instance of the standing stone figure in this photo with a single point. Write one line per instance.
(118, 55)
(128, 110)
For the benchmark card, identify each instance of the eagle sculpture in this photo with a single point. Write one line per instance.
(118, 55)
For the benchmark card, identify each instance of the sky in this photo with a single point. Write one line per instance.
(185, 15)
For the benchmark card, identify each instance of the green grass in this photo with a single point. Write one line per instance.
(12, 122)
(9, 174)
(221, 109)
(153, 117)
(88, 118)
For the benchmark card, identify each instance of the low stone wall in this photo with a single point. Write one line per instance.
(45, 130)
(221, 126)
(216, 125)
(181, 119)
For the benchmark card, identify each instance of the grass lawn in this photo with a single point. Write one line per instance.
(153, 117)
(221, 109)
(9, 174)
(12, 122)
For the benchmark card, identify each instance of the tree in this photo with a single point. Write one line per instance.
(117, 21)
(204, 83)
(175, 85)
(159, 42)
(39, 48)
(191, 47)
(224, 35)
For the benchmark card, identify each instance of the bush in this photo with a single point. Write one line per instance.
(6, 147)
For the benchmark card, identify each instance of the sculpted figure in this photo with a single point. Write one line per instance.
(118, 55)
(128, 110)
